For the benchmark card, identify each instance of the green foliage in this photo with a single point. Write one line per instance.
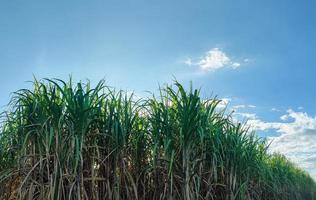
(70, 141)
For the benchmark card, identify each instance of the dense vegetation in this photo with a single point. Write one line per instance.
(70, 141)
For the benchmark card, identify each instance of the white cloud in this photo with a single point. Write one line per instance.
(239, 106)
(284, 117)
(214, 59)
(296, 139)
(247, 116)
(235, 65)
(257, 124)
(275, 110)
(243, 106)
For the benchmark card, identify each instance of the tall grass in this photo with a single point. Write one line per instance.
(62, 140)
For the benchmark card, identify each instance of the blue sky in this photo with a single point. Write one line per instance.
(259, 56)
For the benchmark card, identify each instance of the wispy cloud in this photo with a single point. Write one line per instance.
(213, 60)
(243, 106)
(245, 115)
(275, 110)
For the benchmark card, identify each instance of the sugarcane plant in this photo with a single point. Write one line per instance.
(66, 140)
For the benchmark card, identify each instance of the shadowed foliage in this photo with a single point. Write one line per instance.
(62, 140)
